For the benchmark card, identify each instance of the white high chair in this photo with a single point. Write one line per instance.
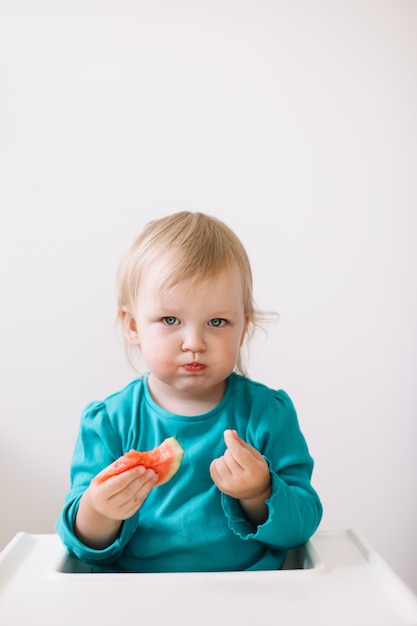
(336, 579)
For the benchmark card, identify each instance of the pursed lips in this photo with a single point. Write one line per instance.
(194, 367)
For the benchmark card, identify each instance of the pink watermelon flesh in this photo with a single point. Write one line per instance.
(164, 460)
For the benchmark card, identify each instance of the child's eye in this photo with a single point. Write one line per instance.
(170, 320)
(217, 322)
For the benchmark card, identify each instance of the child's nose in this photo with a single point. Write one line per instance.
(193, 341)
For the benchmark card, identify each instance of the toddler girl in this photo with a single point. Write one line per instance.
(242, 495)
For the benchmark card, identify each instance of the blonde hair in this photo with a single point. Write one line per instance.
(195, 246)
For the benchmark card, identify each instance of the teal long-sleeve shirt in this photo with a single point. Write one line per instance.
(188, 524)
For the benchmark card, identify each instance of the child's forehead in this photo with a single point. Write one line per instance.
(162, 284)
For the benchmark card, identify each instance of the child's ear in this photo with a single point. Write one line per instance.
(129, 325)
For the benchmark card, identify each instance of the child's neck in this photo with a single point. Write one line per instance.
(187, 404)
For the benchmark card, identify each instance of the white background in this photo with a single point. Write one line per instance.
(293, 121)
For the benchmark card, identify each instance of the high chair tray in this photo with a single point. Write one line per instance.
(336, 579)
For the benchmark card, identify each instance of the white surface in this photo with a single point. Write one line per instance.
(295, 122)
(348, 584)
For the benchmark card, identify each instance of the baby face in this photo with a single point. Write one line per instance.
(190, 338)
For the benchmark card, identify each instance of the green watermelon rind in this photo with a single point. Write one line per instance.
(177, 453)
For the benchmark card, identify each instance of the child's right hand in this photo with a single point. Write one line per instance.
(119, 497)
(104, 506)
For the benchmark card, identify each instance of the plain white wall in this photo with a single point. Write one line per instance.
(293, 121)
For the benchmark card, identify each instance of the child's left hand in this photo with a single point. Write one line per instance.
(243, 473)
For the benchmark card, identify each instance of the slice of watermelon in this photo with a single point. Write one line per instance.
(164, 460)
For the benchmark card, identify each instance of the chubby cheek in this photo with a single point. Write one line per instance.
(156, 354)
(229, 354)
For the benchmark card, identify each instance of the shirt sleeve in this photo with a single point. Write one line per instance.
(294, 508)
(96, 447)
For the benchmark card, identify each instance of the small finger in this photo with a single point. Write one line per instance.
(137, 489)
(144, 475)
(219, 470)
(236, 447)
(232, 439)
(126, 480)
